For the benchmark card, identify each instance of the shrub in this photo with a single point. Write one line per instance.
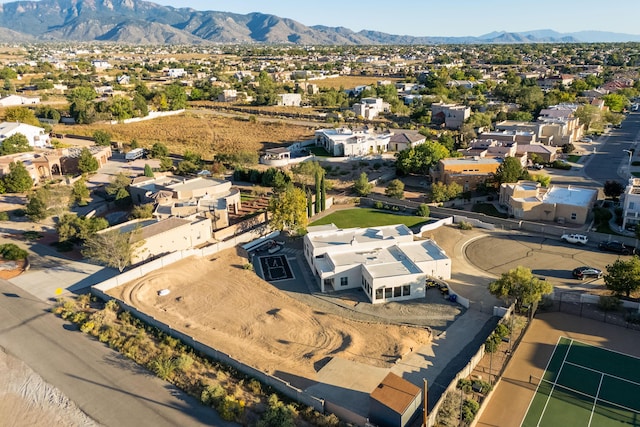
(378, 204)
(469, 410)
(4, 216)
(12, 252)
(464, 225)
(502, 330)
(212, 394)
(609, 303)
(423, 210)
(32, 235)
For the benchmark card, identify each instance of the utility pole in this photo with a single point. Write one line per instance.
(424, 403)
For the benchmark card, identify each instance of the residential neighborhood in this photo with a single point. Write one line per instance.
(299, 234)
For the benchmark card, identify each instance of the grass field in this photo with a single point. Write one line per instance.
(573, 158)
(350, 218)
(488, 209)
(584, 385)
(204, 134)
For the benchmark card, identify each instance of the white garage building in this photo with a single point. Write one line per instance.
(385, 261)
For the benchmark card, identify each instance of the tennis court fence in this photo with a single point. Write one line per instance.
(626, 314)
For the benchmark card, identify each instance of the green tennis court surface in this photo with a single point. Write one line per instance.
(585, 385)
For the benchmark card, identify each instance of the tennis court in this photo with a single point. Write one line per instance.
(585, 385)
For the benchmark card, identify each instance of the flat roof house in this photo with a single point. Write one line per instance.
(384, 261)
(36, 136)
(343, 141)
(528, 200)
(631, 203)
(466, 171)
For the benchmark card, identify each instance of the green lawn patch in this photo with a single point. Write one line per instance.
(573, 158)
(367, 217)
(488, 209)
(319, 151)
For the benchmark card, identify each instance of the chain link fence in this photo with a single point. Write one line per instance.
(590, 307)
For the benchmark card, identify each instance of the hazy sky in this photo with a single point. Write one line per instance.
(441, 17)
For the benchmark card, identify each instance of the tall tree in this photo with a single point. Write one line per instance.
(323, 193)
(111, 248)
(623, 276)
(613, 189)
(80, 193)
(510, 170)
(102, 137)
(18, 179)
(318, 180)
(421, 158)
(288, 210)
(521, 286)
(361, 186)
(87, 163)
(22, 115)
(148, 172)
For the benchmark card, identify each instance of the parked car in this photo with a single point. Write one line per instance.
(617, 247)
(584, 271)
(586, 140)
(575, 238)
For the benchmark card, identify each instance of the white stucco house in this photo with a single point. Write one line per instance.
(36, 136)
(352, 142)
(384, 261)
(16, 100)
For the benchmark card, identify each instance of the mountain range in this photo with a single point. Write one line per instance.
(143, 22)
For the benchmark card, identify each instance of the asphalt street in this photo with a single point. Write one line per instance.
(109, 388)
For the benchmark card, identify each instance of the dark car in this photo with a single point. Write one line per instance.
(617, 247)
(584, 271)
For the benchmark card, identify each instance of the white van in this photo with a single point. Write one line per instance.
(136, 153)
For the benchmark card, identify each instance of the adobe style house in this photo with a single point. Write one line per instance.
(449, 115)
(530, 201)
(176, 196)
(403, 139)
(469, 172)
(36, 136)
(347, 142)
(152, 238)
(631, 203)
(69, 157)
(289, 99)
(385, 262)
(395, 402)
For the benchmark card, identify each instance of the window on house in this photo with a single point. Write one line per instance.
(632, 205)
(397, 291)
(574, 215)
(406, 290)
(388, 293)
(344, 281)
(379, 293)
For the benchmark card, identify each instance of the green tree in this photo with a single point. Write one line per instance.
(615, 102)
(521, 285)
(148, 171)
(79, 228)
(37, 205)
(142, 211)
(289, 210)
(8, 73)
(441, 192)
(613, 189)
(186, 167)
(278, 414)
(102, 137)
(87, 163)
(159, 150)
(16, 143)
(111, 248)
(18, 179)
(176, 97)
(623, 276)
(361, 186)
(510, 170)
(80, 193)
(395, 189)
(544, 180)
(117, 188)
(421, 158)
(81, 105)
(22, 115)
(166, 164)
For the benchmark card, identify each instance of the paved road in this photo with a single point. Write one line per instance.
(109, 388)
(610, 162)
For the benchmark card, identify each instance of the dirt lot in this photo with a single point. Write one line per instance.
(220, 303)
